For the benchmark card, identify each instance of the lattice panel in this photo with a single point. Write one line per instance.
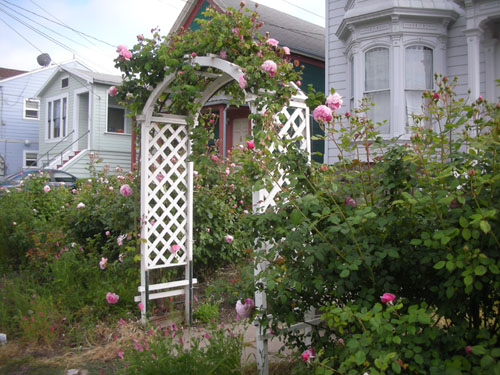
(165, 217)
(295, 127)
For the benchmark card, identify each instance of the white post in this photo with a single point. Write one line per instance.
(144, 156)
(189, 244)
(473, 43)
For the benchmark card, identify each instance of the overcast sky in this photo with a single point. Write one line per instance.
(111, 21)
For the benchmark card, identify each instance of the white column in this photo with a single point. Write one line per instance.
(397, 84)
(489, 61)
(473, 44)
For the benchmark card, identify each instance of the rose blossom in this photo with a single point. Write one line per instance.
(141, 306)
(123, 52)
(243, 311)
(125, 190)
(334, 102)
(322, 114)
(270, 67)
(306, 355)
(229, 238)
(46, 188)
(120, 239)
(102, 263)
(175, 248)
(242, 82)
(272, 42)
(286, 50)
(349, 201)
(80, 205)
(112, 298)
(387, 297)
(112, 91)
(250, 145)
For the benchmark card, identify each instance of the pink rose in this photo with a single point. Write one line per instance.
(223, 54)
(80, 205)
(286, 51)
(140, 37)
(124, 52)
(175, 248)
(322, 114)
(243, 311)
(46, 188)
(242, 82)
(160, 177)
(214, 158)
(306, 355)
(270, 67)
(193, 54)
(250, 145)
(102, 263)
(272, 42)
(108, 233)
(468, 349)
(112, 298)
(323, 168)
(141, 306)
(112, 91)
(298, 83)
(334, 102)
(120, 239)
(387, 298)
(229, 238)
(120, 354)
(125, 190)
(349, 201)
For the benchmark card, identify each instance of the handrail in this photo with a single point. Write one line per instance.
(53, 147)
(61, 153)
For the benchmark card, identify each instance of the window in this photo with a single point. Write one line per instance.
(30, 159)
(31, 109)
(117, 122)
(64, 82)
(418, 77)
(377, 86)
(57, 118)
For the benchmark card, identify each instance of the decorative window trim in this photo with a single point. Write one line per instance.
(26, 159)
(32, 109)
(63, 118)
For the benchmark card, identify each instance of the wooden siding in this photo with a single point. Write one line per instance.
(457, 55)
(80, 166)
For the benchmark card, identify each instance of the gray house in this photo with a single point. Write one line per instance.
(80, 121)
(389, 50)
(20, 116)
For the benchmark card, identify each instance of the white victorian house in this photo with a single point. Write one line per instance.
(389, 50)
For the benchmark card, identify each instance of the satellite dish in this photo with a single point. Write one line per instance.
(43, 59)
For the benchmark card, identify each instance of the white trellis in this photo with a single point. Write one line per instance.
(167, 189)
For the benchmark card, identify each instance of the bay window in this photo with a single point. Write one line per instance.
(419, 76)
(377, 86)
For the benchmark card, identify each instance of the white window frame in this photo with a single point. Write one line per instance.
(31, 109)
(25, 159)
(48, 128)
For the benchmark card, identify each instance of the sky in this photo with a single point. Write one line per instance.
(107, 23)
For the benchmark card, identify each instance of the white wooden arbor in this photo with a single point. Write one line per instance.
(167, 189)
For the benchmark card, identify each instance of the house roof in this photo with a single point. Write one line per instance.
(53, 66)
(302, 37)
(7, 73)
(88, 77)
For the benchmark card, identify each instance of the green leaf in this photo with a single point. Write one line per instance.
(463, 222)
(487, 361)
(450, 291)
(345, 273)
(396, 340)
(478, 350)
(468, 280)
(419, 359)
(466, 234)
(485, 226)
(359, 357)
(480, 270)
(296, 217)
(439, 265)
(396, 367)
(495, 352)
(415, 242)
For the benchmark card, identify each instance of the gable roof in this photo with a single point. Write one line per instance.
(53, 66)
(302, 37)
(7, 73)
(88, 77)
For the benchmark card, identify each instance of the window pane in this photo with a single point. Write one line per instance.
(49, 120)
(64, 110)
(413, 105)
(57, 118)
(377, 69)
(116, 120)
(30, 159)
(419, 72)
(381, 111)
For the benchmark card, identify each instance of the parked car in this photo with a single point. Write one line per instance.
(56, 176)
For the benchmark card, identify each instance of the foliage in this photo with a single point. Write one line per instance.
(417, 219)
(207, 312)
(169, 351)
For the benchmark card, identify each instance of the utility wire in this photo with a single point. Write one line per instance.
(59, 23)
(10, 27)
(304, 9)
(57, 19)
(45, 27)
